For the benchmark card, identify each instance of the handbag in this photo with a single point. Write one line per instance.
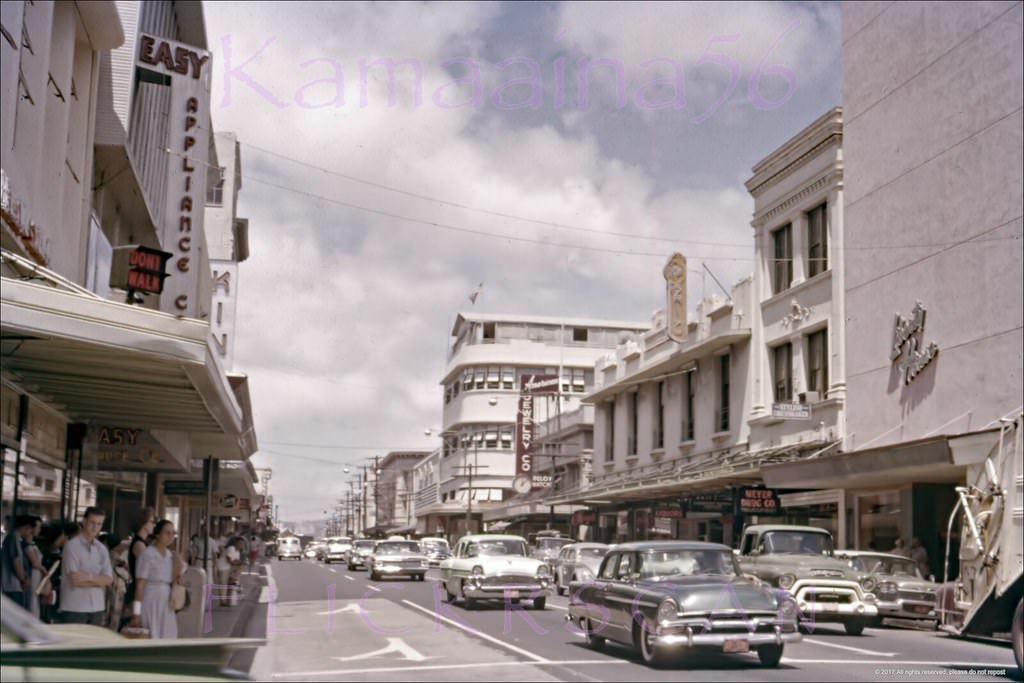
(179, 597)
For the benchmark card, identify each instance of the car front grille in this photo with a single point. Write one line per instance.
(921, 596)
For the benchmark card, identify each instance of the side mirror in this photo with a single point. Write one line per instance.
(931, 577)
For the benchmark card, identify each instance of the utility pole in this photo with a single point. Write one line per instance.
(376, 490)
(468, 471)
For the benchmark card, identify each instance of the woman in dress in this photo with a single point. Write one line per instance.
(34, 557)
(154, 574)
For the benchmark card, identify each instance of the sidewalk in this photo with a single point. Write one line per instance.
(230, 622)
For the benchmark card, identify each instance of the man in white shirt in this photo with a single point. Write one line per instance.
(85, 573)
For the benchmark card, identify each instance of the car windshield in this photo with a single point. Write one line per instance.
(880, 564)
(593, 552)
(669, 563)
(796, 543)
(435, 546)
(397, 548)
(364, 545)
(498, 547)
(551, 543)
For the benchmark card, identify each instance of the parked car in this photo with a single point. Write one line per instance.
(801, 560)
(490, 566)
(33, 651)
(289, 548)
(436, 550)
(668, 598)
(901, 590)
(337, 549)
(311, 551)
(397, 558)
(360, 552)
(577, 562)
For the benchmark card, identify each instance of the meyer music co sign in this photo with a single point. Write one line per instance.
(752, 500)
(908, 342)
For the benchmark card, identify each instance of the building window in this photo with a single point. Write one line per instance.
(493, 377)
(722, 423)
(659, 415)
(782, 369)
(817, 240)
(489, 331)
(467, 379)
(579, 334)
(633, 421)
(491, 440)
(447, 395)
(480, 378)
(609, 452)
(508, 378)
(689, 386)
(782, 263)
(817, 362)
(506, 438)
(215, 194)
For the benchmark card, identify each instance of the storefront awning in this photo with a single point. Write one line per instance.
(925, 461)
(102, 362)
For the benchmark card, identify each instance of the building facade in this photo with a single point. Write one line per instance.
(933, 256)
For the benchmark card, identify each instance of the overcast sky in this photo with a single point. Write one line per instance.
(372, 219)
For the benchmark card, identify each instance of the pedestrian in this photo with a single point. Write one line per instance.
(919, 555)
(155, 573)
(117, 590)
(86, 573)
(899, 549)
(51, 543)
(15, 580)
(34, 565)
(193, 550)
(254, 545)
(142, 529)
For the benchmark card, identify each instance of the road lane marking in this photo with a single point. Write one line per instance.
(332, 569)
(903, 664)
(374, 588)
(441, 667)
(850, 649)
(479, 634)
(349, 577)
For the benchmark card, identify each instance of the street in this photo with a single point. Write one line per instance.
(324, 622)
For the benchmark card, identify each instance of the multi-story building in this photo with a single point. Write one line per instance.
(393, 492)
(934, 202)
(489, 357)
(103, 155)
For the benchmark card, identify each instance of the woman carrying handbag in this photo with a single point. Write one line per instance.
(155, 574)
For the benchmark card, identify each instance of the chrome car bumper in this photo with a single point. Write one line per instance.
(692, 638)
(494, 591)
(842, 601)
(393, 570)
(906, 609)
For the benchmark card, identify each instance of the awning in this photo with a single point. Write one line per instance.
(408, 529)
(103, 362)
(930, 460)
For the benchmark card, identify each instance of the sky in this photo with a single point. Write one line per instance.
(557, 153)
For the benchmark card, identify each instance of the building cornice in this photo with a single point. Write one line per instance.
(826, 131)
(833, 177)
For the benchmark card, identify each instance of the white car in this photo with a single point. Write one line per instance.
(495, 567)
(337, 549)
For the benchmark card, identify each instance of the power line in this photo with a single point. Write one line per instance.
(499, 214)
(483, 233)
(340, 447)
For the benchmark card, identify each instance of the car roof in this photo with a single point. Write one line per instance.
(645, 546)
(870, 553)
(786, 527)
(493, 537)
(588, 545)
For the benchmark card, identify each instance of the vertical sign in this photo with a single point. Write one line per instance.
(222, 317)
(188, 145)
(526, 419)
(675, 294)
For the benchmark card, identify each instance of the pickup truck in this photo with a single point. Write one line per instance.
(801, 560)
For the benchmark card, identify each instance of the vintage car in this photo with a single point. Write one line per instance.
(577, 562)
(397, 558)
(901, 590)
(436, 550)
(289, 547)
(337, 549)
(360, 552)
(545, 545)
(311, 551)
(495, 566)
(800, 559)
(33, 651)
(669, 598)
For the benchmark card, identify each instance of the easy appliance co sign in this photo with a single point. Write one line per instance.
(188, 143)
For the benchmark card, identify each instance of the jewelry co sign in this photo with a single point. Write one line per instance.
(188, 142)
(526, 419)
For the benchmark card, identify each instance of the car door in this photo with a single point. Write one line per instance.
(620, 595)
(447, 567)
(603, 596)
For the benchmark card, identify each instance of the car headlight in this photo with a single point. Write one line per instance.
(585, 575)
(478, 570)
(788, 609)
(424, 563)
(668, 610)
(868, 583)
(886, 588)
(786, 581)
(543, 571)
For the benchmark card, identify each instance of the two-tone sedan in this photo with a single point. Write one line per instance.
(397, 558)
(901, 590)
(359, 554)
(495, 567)
(337, 549)
(577, 562)
(668, 598)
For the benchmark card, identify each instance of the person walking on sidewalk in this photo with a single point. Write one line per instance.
(155, 573)
(16, 581)
(86, 573)
(254, 545)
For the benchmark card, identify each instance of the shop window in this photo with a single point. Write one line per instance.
(817, 240)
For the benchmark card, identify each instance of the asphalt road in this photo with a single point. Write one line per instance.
(324, 622)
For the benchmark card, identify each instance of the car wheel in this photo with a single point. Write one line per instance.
(469, 602)
(538, 603)
(854, 627)
(594, 641)
(770, 655)
(1018, 634)
(449, 597)
(653, 655)
(374, 576)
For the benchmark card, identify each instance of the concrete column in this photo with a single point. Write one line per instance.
(759, 292)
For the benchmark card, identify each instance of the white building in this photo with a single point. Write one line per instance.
(489, 356)
(934, 199)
